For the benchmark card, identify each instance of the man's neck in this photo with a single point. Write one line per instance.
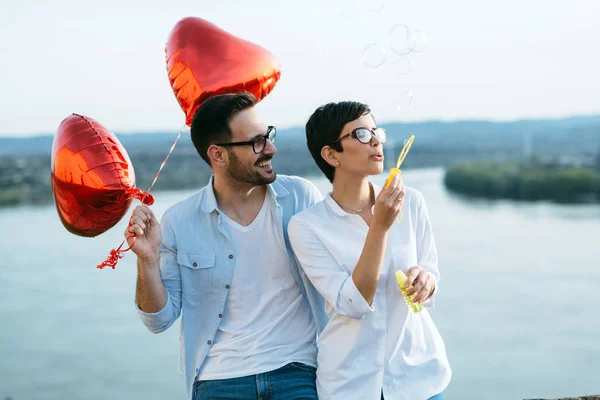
(238, 200)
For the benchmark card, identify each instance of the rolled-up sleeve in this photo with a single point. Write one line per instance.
(427, 254)
(331, 281)
(171, 276)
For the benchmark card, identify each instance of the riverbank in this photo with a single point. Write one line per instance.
(524, 182)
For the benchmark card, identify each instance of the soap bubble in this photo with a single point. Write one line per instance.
(370, 5)
(374, 55)
(405, 101)
(403, 66)
(402, 39)
(420, 41)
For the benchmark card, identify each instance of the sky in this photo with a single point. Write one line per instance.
(496, 60)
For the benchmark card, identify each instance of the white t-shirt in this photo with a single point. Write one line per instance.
(264, 325)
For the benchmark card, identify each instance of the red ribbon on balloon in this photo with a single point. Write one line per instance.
(93, 180)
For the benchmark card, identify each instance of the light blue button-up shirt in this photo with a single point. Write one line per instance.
(197, 261)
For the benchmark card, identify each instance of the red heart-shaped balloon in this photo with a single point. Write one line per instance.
(204, 60)
(92, 177)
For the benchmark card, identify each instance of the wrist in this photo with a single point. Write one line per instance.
(148, 261)
(379, 230)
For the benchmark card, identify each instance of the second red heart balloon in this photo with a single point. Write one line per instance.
(204, 60)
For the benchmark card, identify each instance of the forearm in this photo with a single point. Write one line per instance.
(150, 292)
(368, 269)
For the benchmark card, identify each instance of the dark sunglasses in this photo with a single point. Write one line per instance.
(365, 135)
(258, 144)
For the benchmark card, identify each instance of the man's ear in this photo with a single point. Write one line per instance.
(218, 155)
(330, 156)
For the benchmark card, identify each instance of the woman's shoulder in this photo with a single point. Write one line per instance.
(314, 212)
(413, 194)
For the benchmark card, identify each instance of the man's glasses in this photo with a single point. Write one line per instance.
(365, 135)
(257, 144)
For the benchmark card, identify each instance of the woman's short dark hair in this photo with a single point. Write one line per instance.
(211, 121)
(325, 126)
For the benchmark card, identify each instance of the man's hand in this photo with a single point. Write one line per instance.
(422, 284)
(148, 235)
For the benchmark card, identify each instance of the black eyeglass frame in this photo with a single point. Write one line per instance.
(372, 131)
(270, 136)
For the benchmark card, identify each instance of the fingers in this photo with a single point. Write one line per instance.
(151, 217)
(411, 275)
(395, 195)
(141, 218)
(143, 212)
(399, 199)
(389, 189)
(422, 284)
(425, 291)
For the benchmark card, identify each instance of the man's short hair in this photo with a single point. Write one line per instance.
(210, 124)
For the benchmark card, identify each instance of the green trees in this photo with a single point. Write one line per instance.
(524, 182)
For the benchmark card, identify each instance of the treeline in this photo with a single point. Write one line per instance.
(524, 181)
(487, 148)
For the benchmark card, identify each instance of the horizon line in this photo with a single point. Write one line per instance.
(289, 127)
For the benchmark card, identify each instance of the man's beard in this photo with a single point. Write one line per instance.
(241, 173)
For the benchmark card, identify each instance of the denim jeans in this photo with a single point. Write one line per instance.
(294, 381)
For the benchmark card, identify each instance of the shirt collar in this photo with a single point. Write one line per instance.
(209, 202)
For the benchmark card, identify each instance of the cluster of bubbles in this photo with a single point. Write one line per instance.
(402, 41)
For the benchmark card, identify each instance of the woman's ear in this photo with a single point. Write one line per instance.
(330, 156)
(217, 155)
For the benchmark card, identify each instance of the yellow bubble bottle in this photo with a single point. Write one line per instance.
(401, 279)
(397, 171)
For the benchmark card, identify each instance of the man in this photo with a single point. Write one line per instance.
(222, 258)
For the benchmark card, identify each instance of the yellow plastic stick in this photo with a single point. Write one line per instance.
(401, 279)
(401, 157)
(397, 171)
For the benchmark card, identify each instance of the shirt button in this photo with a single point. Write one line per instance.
(209, 342)
(227, 286)
(230, 256)
(195, 264)
(220, 315)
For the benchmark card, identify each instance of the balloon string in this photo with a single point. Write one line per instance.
(147, 199)
(116, 254)
(166, 158)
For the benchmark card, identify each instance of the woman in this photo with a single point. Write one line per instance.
(350, 245)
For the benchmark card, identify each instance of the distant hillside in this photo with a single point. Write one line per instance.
(569, 135)
(43, 144)
(566, 143)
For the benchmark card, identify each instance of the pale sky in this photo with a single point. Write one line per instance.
(499, 60)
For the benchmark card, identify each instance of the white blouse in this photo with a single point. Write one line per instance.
(366, 349)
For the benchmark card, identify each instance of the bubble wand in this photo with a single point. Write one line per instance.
(397, 171)
(400, 276)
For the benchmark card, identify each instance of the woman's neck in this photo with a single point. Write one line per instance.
(352, 193)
